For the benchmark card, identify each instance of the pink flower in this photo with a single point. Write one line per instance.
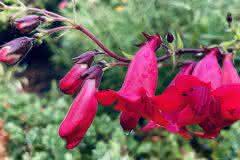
(13, 51)
(80, 115)
(140, 83)
(204, 95)
(208, 69)
(83, 109)
(188, 100)
(185, 103)
(228, 94)
(225, 107)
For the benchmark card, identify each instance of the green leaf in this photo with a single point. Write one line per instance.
(179, 41)
(227, 44)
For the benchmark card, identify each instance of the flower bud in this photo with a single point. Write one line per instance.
(13, 51)
(170, 37)
(72, 81)
(28, 23)
(86, 57)
(229, 18)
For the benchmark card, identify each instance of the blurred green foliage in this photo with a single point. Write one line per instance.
(32, 122)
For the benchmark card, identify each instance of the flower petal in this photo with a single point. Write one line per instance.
(229, 72)
(208, 69)
(107, 97)
(228, 96)
(129, 120)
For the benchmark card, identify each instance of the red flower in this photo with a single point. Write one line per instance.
(225, 107)
(140, 83)
(80, 115)
(188, 100)
(229, 93)
(205, 95)
(209, 71)
(13, 51)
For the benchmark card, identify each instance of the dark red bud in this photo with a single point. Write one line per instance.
(13, 51)
(86, 57)
(71, 83)
(229, 18)
(170, 37)
(28, 23)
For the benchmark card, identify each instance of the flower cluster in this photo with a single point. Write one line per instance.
(203, 94)
(15, 50)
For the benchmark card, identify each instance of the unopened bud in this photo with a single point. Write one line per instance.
(86, 57)
(170, 37)
(28, 23)
(229, 18)
(71, 83)
(13, 51)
